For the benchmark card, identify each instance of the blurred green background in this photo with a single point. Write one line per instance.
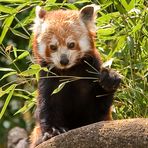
(122, 40)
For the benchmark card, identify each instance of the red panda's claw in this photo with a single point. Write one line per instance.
(63, 130)
(54, 132)
(58, 131)
(46, 136)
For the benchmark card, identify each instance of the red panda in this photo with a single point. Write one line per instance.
(64, 42)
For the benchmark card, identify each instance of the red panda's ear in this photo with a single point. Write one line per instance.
(40, 24)
(40, 13)
(88, 13)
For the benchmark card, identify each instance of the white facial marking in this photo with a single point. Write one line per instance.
(44, 27)
(54, 40)
(84, 44)
(41, 48)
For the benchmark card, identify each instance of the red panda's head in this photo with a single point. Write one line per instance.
(63, 37)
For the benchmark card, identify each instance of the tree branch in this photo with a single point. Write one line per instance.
(127, 133)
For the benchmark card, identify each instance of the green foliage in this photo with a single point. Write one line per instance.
(10, 93)
(122, 40)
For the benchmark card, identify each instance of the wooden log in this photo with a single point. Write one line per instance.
(127, 133)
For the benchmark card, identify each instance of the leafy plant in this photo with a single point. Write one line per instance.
(122, 40)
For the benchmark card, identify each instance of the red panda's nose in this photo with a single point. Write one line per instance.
(64, 60)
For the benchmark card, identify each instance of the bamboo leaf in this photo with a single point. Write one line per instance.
(15, 52)
(7, 9)
(52, 1)
(81, 1)
(14, 1)
(8, 74)
(137, 27)
(105, 32)
(6, 69)
(21, 56)
(120, 43)
(130, 43)
(132, 4)
(59, 88)
(18, 33)
(27, 20)
(21, 96)
(32, 70)
(6, 91)
(35, 66)
(1, 92)
(119, 7)
(21, 110)
(71, 6)
(7, 24)
(7, 101)
(24, 54)
(29, 72)
(28, 105)
(125, 5)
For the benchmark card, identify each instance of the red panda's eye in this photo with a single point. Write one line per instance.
(53, 47)
(71, 45)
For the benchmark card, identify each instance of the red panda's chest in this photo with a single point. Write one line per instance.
(74, 94)
(77, 87)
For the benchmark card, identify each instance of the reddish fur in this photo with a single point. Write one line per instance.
(35, 50)
(109, 115)
(35, 136)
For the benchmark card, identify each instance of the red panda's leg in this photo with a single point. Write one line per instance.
(109, 81)
(108, 115)
(50, 125)
(36, 137)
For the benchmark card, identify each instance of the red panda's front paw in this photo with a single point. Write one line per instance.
(46, 136)
(54, 132)
(109, 80)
